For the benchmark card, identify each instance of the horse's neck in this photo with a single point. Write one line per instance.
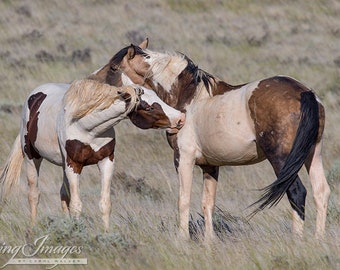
(180, 93)
(98, 122)
(100, 74)
(169, 97)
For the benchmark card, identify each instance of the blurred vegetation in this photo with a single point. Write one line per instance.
(189, 6)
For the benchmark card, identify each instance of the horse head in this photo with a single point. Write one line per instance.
(112, 74)
(173, 76)
(152, 112)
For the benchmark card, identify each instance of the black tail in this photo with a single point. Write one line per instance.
(305, 138)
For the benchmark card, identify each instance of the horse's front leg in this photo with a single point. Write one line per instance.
(185, 168)
(106, 167)
(210, 177)
(73, 174)
(184, 160)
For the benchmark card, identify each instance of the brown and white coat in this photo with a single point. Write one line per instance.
(277, 118)
(73, 126)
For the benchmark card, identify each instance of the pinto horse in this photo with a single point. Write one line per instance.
(276, 118)
(73, 126)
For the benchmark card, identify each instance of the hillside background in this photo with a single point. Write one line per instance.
(237, 40)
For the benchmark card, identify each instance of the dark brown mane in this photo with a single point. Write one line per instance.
(217, 86)
(188, 82)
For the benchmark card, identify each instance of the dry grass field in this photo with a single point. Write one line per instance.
(237, 40)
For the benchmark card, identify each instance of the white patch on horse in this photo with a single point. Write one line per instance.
(165, 67)
(150, 97)
(227, 136)
(126, 80)
(47, 141)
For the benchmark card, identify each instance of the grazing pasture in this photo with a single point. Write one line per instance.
(238, 41)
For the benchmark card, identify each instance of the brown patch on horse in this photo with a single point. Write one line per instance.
(80, 154)
(222, 87)
(172, 141)
(146, 116)
(177, 98)
(275, 108)
(108, 74)
(321, 122)
(288, 142)
(188, 83)
(127, 98)
(168, 98)
(34, 103)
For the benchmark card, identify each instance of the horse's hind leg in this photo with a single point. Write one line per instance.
(106, 167)
(296, 194)
(32, 171)
(65, 195)
(321, 190)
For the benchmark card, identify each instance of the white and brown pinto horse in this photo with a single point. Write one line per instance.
(73, 126)
(277, 118)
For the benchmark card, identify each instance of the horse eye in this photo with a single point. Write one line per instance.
(149, 109)
(147, 56)
(114, 69)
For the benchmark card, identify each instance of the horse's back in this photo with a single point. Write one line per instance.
(228, 126)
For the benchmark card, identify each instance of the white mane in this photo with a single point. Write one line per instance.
(85, 96)
(165, 67)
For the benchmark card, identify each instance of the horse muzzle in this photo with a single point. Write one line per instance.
(180, 123)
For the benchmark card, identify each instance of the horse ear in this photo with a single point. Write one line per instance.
(131, 52)
(144, 44)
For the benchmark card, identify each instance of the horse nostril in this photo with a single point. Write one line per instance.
(181, 121)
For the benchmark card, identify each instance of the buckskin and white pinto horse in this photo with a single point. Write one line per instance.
(277, 118)
(73, 126)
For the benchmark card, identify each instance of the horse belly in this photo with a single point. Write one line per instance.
(225, 131)
(230, 151)
(47, 145)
